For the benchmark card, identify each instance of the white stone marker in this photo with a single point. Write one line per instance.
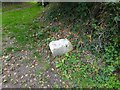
(60, 47)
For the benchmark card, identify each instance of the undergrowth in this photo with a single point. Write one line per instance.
(94, 62)
(97, 25)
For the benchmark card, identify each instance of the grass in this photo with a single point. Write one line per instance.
(23, 25)
(12, 49)
(19, 23)
(15, 6)
(22, 16)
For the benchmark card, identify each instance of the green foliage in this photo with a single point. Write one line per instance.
(54, 28)
(73, 69)
(40, 35)
(97, 25)
(11, 49)
(88, 75)
(112, 56)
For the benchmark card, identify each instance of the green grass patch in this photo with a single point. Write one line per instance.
(11, 49)
(9, 7)
(20, 24)
(0, 10)
(21, 16)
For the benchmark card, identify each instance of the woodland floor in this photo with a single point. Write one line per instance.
(27, 60)
(22, 68)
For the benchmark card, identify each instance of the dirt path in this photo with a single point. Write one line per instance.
(21, 69)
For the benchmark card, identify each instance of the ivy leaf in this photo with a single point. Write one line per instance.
(58, 65)
(117, 18)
